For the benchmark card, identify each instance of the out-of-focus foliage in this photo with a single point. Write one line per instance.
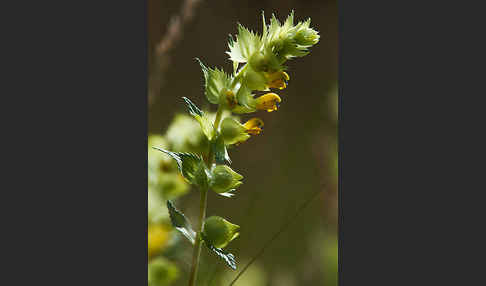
(185, 135)
(158, 235)
(166, 183)
(161, 272)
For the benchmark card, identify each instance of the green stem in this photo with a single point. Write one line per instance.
(202, 209)
(197, 247)
(237, 78)
(219, 113)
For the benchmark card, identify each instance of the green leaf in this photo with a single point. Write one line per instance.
(217, 82)
(226, 256)
(201, 117)
(180, 222)
(245, 45)
(187, 163)
(220, 152)
(193, 109)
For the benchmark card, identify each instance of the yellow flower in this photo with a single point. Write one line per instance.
(254, 126)
(234, 132)
(158, 235)
(268, 102)
(277, 79)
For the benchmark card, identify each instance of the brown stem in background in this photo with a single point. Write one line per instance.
(163, 48)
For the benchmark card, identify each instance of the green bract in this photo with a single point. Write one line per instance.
(288, 40)
(245, 45)
(188, 163)
(201, 117)
(217, 82)
(219, 232)
(233, 131)
(223, 179)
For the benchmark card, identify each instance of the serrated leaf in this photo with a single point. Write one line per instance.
(187, 163)
(226, 256)
(216, 83)
(201, 117)
(245, 45)
(220, 151)
(193, 109)
(180, 222)
(273, 30)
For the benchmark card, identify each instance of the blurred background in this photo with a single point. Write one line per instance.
(294, 157)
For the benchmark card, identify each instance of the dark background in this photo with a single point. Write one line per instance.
(296, 154)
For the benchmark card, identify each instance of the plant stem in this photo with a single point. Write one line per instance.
(217, 120)
(202, 209)
(197, 245)
(236, 79)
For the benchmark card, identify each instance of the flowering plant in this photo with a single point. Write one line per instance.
(258, 66)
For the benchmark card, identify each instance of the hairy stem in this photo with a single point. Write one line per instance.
(202, 209)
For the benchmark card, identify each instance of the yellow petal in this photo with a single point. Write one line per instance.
(268, 102)
(254, 126)
(277, 79)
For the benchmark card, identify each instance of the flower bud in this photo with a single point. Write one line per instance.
(306, 36)
(219, 232)
(224, 179)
